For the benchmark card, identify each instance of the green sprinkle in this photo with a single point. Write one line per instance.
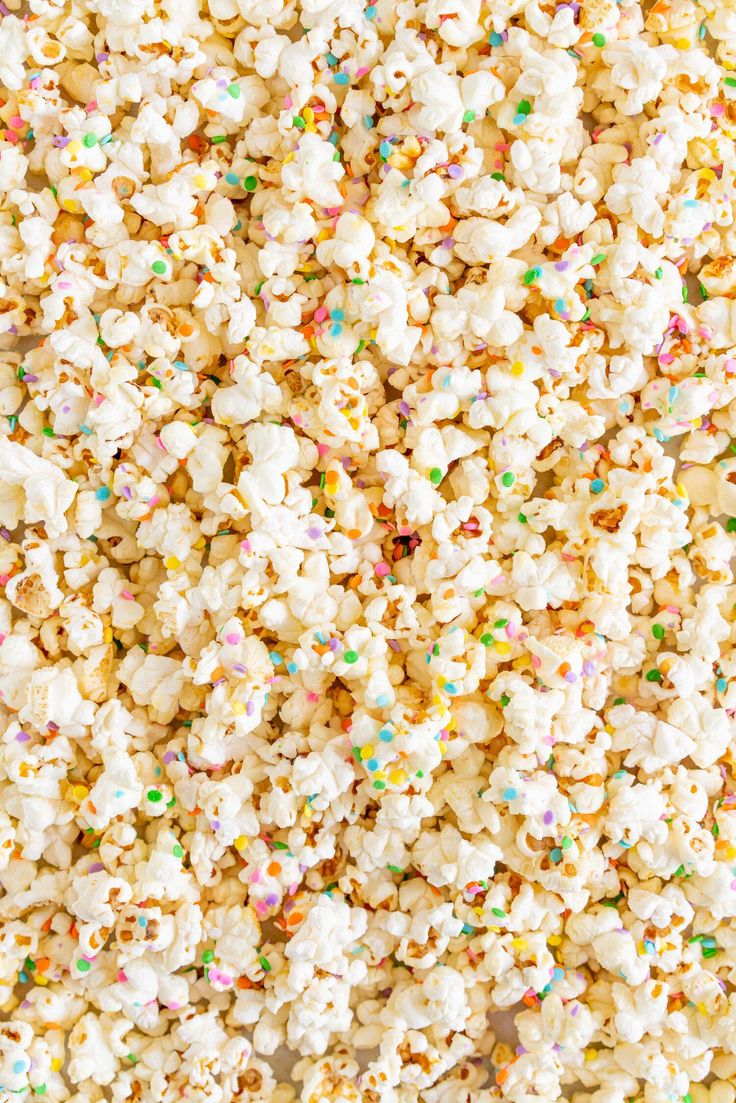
(159, 267)
(598, 258)
(154, 796)
(395, 869)
(48, 432)
(599, 40)
(499, 912)
(178, 852)
(487, 639)
(703, 292)
(132, 1058)
(505, 699)
(40, 1090)
(654, 676)
(250, 183)
(658, 274)
(265, 964)
(730, 81)
(89, 140)
(351, 657)
(379, 784)
(468, 116)
(298, 122)
(530, 276)
(658, 631)
(83, 966)
(566, 842)
(508, 478)
(218, 138)
(524, 107)
(684, 292)
(234, 91)
(731, 524)
(521, 518)
(435, 476)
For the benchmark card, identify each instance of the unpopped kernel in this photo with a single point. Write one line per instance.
(368, 506)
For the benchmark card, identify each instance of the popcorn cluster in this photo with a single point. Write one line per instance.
(368, 508)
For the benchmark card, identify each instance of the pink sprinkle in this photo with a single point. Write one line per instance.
(717, 109)
(122, 977)
(323, 449)
(382, 569)
(666, 358)
(536, 662)
(320, 314)
(245, 545)
(288, 102)
(63, 283)
(4, 579)
(312, 696)
(510, 631)
(730, 365)
(233, 638)
(16, 122)
(127, 595)
(11, 136)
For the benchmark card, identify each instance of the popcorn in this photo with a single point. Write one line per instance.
(368, 523)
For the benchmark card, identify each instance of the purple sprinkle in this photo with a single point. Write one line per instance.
(454, 171)
(448, 242)
(99, 58)
(22, 737)
(658, 139)
(404, 408)
(571, 677)
(588, 668)
(215, 825)
(562, 265)
(272, 899)
(314, 534)
(169, 757)
(28, 378)
(334, 644)
(548, 817)
(250, 708)
(574, 1009)
(96, 867)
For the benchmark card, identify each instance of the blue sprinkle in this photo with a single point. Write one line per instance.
(23, 978)
(19, 1066)
(495, 38)
(103, 493)
(648, 945)
(690, 203)
(337, 315)
(560, 305)
(672, 394)
(370, 11)
(372, 764)
(334, 138)
(142, 921)
(555, 855)
(331, 59)
(292, 668)
(519, 120)
(510, 794)
(467, 929)
(721, 685)
(386, 736)
(232, 178)
(85, 429)
(335, 330)
(450, 688)
(367, 121)
(558, 973)
(275, 657)
(385, 149)
(118, 793)
(597, 486)
(181, 365)
(341, 78)
(383, 700)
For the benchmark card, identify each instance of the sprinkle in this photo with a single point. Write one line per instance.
(351, 657)
(159, 267)
(510, 793)
(103, 493)
(341, 78)
(597, 486)
(435, 476)
(508, 479)
(658, 631)
(154, 796)
(599, 40)
(234, 91)
(83, 966)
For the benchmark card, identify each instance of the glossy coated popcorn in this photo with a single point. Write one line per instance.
(368, 506)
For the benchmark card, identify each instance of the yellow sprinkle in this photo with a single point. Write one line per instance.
(171, 563)
(200, 181)
(241, 842)
(502, 647)
(79, 792)
(56, 1064)
(43, 981)
(322, 236)
(397, 777)
(682, 44)
(287, 158)
(85, 174)
(238, 707)
(308, 115)
(554, 940)
(367, 751)
(517, 368)
(379, 775)
(731, 852)
(697, 422)
(200, 544)
(74, 146)
(519, 944)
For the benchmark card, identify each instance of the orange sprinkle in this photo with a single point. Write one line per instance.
(274, 868)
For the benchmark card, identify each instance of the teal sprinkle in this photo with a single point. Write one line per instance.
(275, 657)
(495, 39)
(341, 78)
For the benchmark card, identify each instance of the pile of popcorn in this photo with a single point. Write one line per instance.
(368, 506)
